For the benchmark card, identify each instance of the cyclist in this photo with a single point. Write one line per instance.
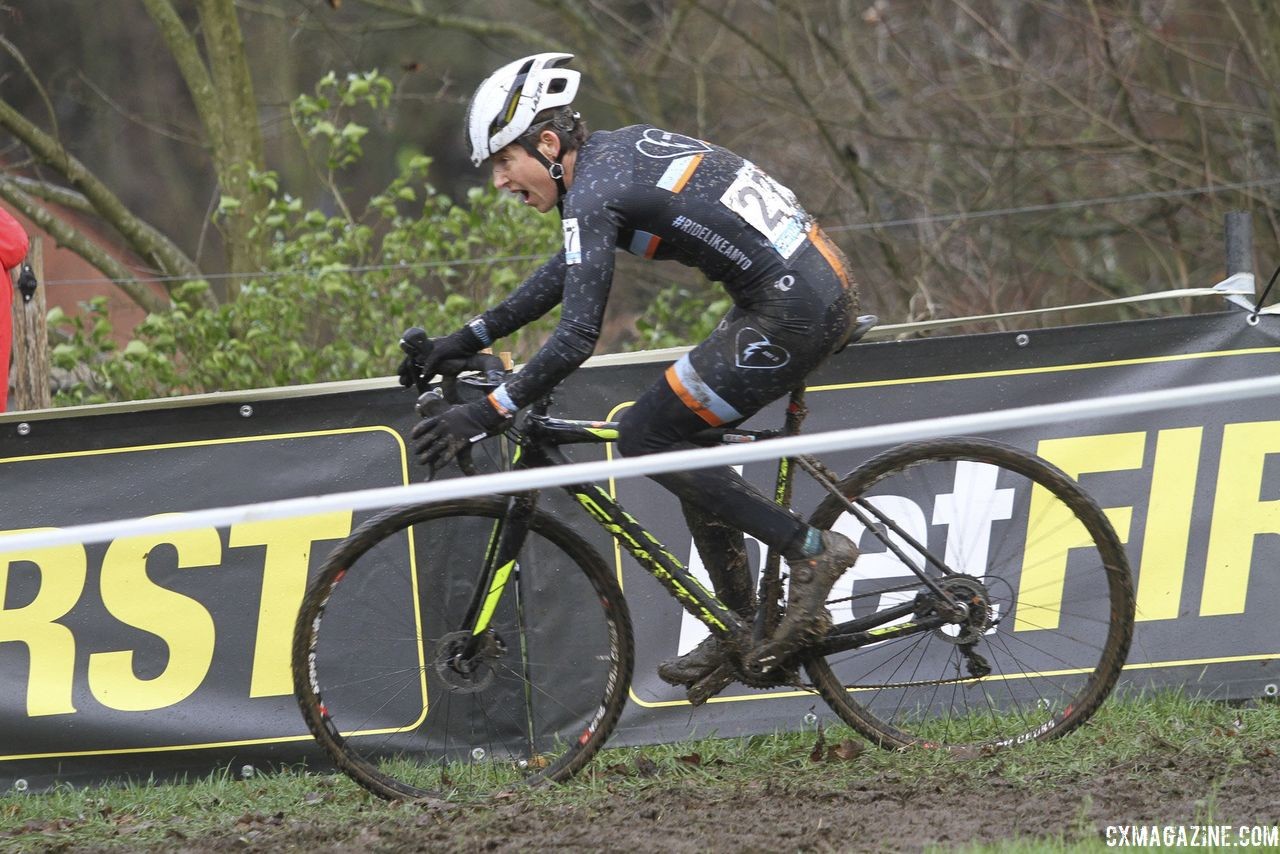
(662, 195)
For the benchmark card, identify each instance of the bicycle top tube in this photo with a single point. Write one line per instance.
(567, 431)
(540, 428)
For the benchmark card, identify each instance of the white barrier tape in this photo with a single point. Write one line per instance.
(1235, 285)
(919, 325)
(519, 481)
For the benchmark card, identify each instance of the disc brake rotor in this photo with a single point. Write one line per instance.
(467, 675)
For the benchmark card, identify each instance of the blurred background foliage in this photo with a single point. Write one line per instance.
(293, 170)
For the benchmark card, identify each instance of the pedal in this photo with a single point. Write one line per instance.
(710, 685)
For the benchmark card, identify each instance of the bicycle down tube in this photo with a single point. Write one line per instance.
(538, 449)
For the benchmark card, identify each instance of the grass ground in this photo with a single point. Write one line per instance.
(1161, 759)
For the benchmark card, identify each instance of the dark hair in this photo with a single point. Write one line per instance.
(565, 123)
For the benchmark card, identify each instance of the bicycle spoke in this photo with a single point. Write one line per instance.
(1030, 651)
(521, 702)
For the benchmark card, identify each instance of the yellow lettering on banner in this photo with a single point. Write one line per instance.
(1052, 530)
(1239, 515)
(51, 647)
(180, 621)
(1164, 545)
(284, 583)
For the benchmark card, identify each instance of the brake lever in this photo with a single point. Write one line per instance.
(417, 346)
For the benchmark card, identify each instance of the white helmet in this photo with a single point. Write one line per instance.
(505, 104)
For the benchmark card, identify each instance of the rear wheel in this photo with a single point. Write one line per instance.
(408, 704)
(1041, 570)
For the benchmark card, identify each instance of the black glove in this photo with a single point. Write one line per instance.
(438, 439)
(443, 351)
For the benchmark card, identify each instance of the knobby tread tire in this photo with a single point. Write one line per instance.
(392, 521)
(1115, 564)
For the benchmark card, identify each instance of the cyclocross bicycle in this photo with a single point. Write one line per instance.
(460, 648)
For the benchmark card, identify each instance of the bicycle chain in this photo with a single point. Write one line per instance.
(886, 685)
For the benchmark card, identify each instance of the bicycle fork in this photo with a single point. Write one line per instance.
(500, 564)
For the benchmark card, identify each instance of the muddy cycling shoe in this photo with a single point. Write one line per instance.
(811, 581)
(693, 665)
(719, 678)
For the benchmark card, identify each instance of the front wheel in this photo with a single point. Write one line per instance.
(412, 705)
(1037, 563)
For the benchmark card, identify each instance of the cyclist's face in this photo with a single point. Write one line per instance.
(515, 171)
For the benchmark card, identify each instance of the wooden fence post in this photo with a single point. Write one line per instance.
(31, 341)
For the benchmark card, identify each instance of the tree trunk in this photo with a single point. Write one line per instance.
(31, 341)
(223, 95)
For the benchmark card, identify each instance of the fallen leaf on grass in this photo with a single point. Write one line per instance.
(690, 759)
(846, 750)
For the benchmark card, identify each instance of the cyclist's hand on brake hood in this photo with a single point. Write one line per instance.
(438, 439)
(444, 356)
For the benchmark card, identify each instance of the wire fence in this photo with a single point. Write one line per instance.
(940, 218)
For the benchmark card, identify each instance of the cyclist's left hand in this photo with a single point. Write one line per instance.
(437, 440)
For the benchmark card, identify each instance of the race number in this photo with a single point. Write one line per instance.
(768, 207)
(572, 241)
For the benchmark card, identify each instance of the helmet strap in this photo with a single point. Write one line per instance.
(554, 168)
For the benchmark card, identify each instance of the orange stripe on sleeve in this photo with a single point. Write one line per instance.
(699, 408)
(688, 173)
(831, 252)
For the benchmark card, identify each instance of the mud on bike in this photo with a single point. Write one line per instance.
(503, 655)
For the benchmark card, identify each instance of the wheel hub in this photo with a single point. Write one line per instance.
(976, 599)
(467, 674)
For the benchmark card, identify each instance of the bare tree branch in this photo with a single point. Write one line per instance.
(143, 239)
(74, 240)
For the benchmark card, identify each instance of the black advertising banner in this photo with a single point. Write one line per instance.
(1194, 493)
(169, 654)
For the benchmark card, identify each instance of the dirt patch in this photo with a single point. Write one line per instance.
(814, 808)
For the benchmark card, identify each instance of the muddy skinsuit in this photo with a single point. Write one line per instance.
(663, 195)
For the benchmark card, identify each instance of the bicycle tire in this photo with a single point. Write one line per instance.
(376, 635)
(1050, 671)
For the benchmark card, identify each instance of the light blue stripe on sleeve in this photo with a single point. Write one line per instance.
(704, 394)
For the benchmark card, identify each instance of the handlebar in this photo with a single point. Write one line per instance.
(417, 346)
(432, 401)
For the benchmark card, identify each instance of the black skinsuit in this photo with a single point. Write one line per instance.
(663, 195)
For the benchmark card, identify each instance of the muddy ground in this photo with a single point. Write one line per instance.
(802, 808)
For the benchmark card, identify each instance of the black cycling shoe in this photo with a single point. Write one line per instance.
(693, 665)
(719, 678)
(811, 581)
